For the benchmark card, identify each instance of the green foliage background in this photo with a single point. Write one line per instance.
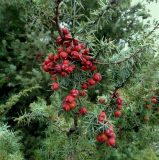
(32, 125)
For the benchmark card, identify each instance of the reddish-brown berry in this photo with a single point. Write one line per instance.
(83, 111)
(97, 77)
(101, 100)
(55, 86)
(117, 114)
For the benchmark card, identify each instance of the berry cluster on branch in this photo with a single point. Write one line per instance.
(118, 104)
(108, 137)
(72, 55)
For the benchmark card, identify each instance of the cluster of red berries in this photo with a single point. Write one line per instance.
(69, 102)
(108, 137)
(71, 55)
(152, 103)
(118, 103)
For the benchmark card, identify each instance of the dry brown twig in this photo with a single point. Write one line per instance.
(56, 19)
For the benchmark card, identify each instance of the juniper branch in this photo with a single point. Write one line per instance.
(56, 19)
(132, 55)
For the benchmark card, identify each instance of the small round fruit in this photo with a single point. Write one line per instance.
(51, 57)
(119, 107)
(66, 107)
(65, 30)
(68, 37)
(69, 99)
(83, 111)
(101, 138)
(74, 92)
(102, 116)
(111, 142)
(104, 138)
(91, 82)
(119, 101)
(77, 48)
(84, 86)
(97, 77)
(154, 100)
(148, 106)
(63, 55)
(60, 49)
(58, 68)
(59, 40)
(72, 105)
(55, 86)
(117, 114)
(109, 132)
(86, 51)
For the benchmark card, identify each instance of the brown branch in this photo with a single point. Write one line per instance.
(56, 20)
(132, 55)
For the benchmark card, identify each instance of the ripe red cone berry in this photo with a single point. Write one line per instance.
(55, 86)
(63, 74)
(97, 77)
(69, 98)
(59, 40)
(91, 82)
(110, 132)
(101, 138)
(51, 57)
(60, 49)
(66, 107)
(56, 57)
(68, 37)
(84, 86)
(75, 41)
(111, 142)
(119, 107)
(119, 101)
(68, 50)
(65, 30)
(74, 92)
(102, 116)
(77, 48)
(72, 105)
(83, 111)
(117, 114)
(86, 51)
(63, 55)
(58, 68)
(154, 100)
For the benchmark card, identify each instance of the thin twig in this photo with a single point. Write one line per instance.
(56, 18)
